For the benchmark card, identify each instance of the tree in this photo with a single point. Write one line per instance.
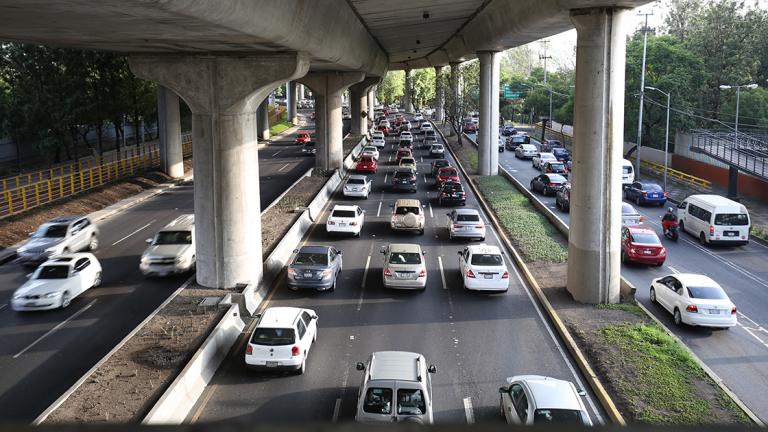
(392, 87)
(682, 17)
(423, 87)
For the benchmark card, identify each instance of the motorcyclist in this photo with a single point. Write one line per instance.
(669, 219)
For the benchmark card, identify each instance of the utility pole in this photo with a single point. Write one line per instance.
(544, 57)
(642, 94)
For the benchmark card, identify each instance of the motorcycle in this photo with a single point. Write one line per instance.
(670, 229)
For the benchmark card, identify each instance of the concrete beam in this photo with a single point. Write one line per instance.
(488, 134)
(595, 227)
(171, 152)
(328, 87)
(224, 93)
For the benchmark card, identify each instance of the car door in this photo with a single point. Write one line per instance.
(624, 238)
(79, 280)
(463, 258)
(303, 336)
(670, 293)
(360, 217)
(677, 296)
(311, 324)
(516, 405)
(82, 236)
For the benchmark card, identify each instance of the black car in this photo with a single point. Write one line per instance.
(563, 198)
(451, 192)
(508, 131)
(404, 180)
(561, 154)
(514, 141)
(549, 144)
(548, 184)
(406, 144)
(440, 163)
(309, 148)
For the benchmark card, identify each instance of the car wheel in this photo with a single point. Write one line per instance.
(303, 366)
(637, 201)
(97, 280)
(94, 244)
(482, 238)
(682, 227)
(678, 317)
(65, 299)
(532, 188)
(653, 295)
(333, 287)
(702, 238)
(421, 232)
(623, 257)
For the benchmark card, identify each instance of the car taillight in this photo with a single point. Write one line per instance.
(505, 275)
(249, 349)
(387, 272)
(641, 219)
(330, 222)
(645, 194)
(470, 274)
(692, 308)
(445, 194)
(553, 185)
(480, 226)
(423, 273)
(353, 223)
(666, 195)
(295, 351)
(733, 310)
(632, 250)
(711, 230)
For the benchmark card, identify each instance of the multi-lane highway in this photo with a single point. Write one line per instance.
(476, 340)
(739, 355)
(42, 354)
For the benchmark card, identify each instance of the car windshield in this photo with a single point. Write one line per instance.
(273, 336)
(731, 219)
(437, 147)
(173, 237)
(441, 163)
(407, 209)
(355, 181)
(645, 238)
(559, 151)
(706, 293)
(403, 174)
(468, 218)
(486, 259)
(405, 258)
(51, 231)
(557, 416)
(410, 402)
(53, 272)
(343, 214)
(308, 258)
(378, 401)
(626, 169)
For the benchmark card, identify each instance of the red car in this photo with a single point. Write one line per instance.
(642, 245)
(403, 152)
(303, 138)
(366, 164)
(470, 127)
(384, 129)
(447, 173)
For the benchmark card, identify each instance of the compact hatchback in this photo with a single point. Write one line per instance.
(407, 163)
(540, 400)
(282, 339)
(694, 300)
(437, 151)
(345, 219)
(366, 164)
(404, 266)
(482, 268)
(451, 193)
(642, 245)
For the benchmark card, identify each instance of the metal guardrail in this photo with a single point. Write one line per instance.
(49, 189)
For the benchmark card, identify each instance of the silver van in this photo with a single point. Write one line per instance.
(714, 219)
(396, 387)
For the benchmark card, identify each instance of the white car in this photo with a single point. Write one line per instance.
(377, 134)
(426, 126)
(57, 281)
(370, 151)
(526, 151)
(540, 159)
(406, 136)
(404, 266)
(482, 268)
(465, 223)
(630, 216)
(437, 151)
(357, 186)
(171, 250)
(379, 143)
(345, 219)
(282, 339)
(541, 400)
(694, 300)
(418, 117)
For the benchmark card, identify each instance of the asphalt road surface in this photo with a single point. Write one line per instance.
(476, 340)
(43, 353)
(738, 355)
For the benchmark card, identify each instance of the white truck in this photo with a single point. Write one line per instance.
(172, 249)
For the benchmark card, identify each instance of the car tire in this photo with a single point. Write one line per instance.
(333, 287)
(65, 300)
(97, 280)
(303, 367)
(421, 232)
(623, 257)
(532, 188)
(677, 317)
(652, 295)
(702, 238)
(482, 239)
(637, 201)
(681, 226)
(94, 244)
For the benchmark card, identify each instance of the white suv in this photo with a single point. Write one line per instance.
(172, 250)
(482, 268)
(62, 235)
(408, 215)
(282, 339)
(426, 126)
(345, 219)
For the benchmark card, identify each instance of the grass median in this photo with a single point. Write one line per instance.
(280, 127)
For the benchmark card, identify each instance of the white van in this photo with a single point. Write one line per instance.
(627, 173)
(172, 250)
(714, 219)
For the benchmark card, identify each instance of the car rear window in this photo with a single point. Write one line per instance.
(706, 293)
(486, 259)
(652, 187)
(308, 258)
(731, 219)
(53, 272)
(403, 174)
(557, 166)
(557, 416)
(273, 336)
(442, 163)
(366, 159)
(453, 187)
(468, 218)
(343, 213)
(407, 209)
(410, 402)
(355, 181)
(626, 169)
(378, 401)
(557, 178)
(173, 237)
(408, 160)
(448, 172)
(645, 238)
(405, 258)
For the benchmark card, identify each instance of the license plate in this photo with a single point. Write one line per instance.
(647, 252)
(457, 195)
(730, 233)
(488, 276)
(307, 275)
(714, 312)
(272, 364)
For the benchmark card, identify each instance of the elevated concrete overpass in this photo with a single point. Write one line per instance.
(223, 58)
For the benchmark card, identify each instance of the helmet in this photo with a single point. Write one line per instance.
(670, 210)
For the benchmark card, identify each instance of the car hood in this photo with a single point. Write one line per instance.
(42, 242)
(39, 287)
(167, 250)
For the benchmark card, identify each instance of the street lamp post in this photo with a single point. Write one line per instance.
(666, 135)
(733, 172)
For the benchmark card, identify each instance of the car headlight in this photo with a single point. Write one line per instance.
(144, 259)
(17, 296)
(51, 250)
(52, 294)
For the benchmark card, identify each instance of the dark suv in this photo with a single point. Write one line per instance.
(563, 198)
(404, 180)
(514, 141)
(451, 193)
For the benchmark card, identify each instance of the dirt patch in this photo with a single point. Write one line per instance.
(127, 385)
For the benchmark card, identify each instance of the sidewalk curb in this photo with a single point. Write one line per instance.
(597, 387)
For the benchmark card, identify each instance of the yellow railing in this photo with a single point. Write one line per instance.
(46, 190)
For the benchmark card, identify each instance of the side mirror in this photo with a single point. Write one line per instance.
(459, 253)
(431, 369)
(360, 366)
(581, 393)
(295, 251)
(340, 252)
(29, 275)
(148, 241)
(314, 317)
(503, 389)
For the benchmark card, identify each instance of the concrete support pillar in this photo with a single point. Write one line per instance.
(223, 94)
(301, 91)
(733, 182)
(454, 84)
(263, 120)
(328, 87)
(371, 105)
(358, 94)
(169, 124)
(488, 145)
(290, 99)
(595, 226)
(408, 93)
(439, 95)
